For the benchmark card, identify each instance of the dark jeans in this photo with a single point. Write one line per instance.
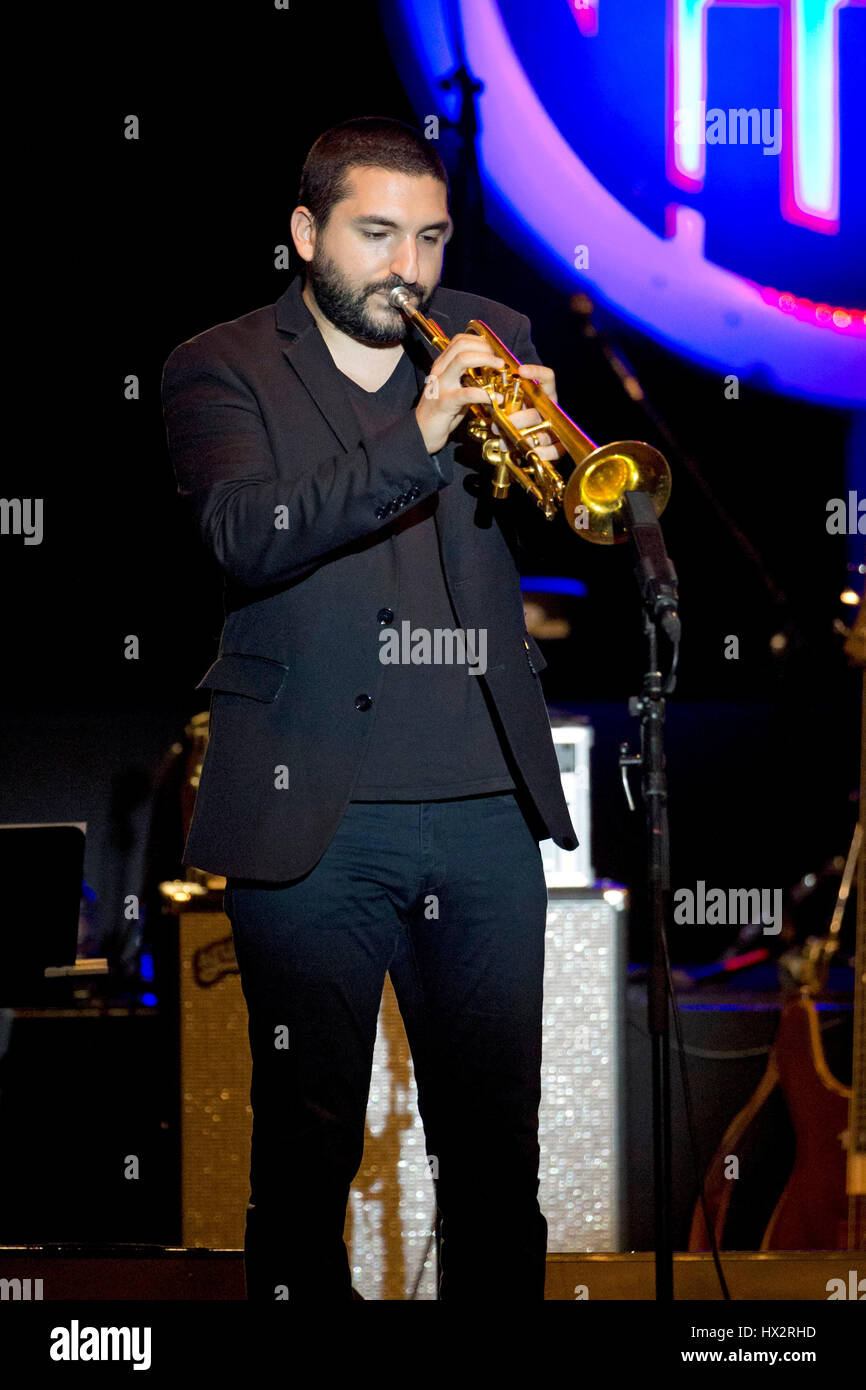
(449, 897)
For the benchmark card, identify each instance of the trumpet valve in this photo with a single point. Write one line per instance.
(493, 452)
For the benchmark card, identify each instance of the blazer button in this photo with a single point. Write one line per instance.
(385, 616)
(363, 702)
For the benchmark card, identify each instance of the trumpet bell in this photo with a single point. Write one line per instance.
(593, 499)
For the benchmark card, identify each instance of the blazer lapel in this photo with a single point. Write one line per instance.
(449, 500)
(308, 355)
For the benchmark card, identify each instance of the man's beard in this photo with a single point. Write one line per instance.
(347, 307)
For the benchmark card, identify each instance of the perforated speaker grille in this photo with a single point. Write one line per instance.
(216, 1070)
(391, 1206)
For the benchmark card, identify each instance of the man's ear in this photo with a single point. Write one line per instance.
(303, 225)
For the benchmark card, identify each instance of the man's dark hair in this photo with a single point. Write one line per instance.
(368, 142)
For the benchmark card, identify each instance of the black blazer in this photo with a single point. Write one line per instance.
(291, 501)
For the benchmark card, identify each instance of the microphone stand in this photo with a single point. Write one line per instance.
(657, 582)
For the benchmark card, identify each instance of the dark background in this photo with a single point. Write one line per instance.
(129, 248)
(165, 236)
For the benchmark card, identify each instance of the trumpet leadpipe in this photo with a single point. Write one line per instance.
(399, 298)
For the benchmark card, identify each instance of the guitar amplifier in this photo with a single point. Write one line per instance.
(581, 1118)
(215, 1075)
(391, 1210)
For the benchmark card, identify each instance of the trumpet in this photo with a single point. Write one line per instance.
(592, 499)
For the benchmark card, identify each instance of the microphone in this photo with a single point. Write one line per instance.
(655, 574)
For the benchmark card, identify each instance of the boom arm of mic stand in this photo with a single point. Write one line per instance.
(584, 308)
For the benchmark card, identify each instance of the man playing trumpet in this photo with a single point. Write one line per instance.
(372, 817)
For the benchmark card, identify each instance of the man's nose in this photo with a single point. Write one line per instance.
(405, 262)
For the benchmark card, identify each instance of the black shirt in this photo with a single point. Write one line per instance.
(435, 733)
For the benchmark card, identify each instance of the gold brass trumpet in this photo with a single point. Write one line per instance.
(592, 499)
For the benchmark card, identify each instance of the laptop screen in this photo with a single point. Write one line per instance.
(41, 869)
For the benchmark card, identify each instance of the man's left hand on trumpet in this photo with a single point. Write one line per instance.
(549, 448)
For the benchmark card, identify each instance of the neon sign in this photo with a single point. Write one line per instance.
(563, 113)
(809, 41)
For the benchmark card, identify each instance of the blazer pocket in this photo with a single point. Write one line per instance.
(534, 653)
(241, 674)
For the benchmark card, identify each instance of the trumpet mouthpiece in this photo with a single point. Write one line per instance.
(398, 296)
